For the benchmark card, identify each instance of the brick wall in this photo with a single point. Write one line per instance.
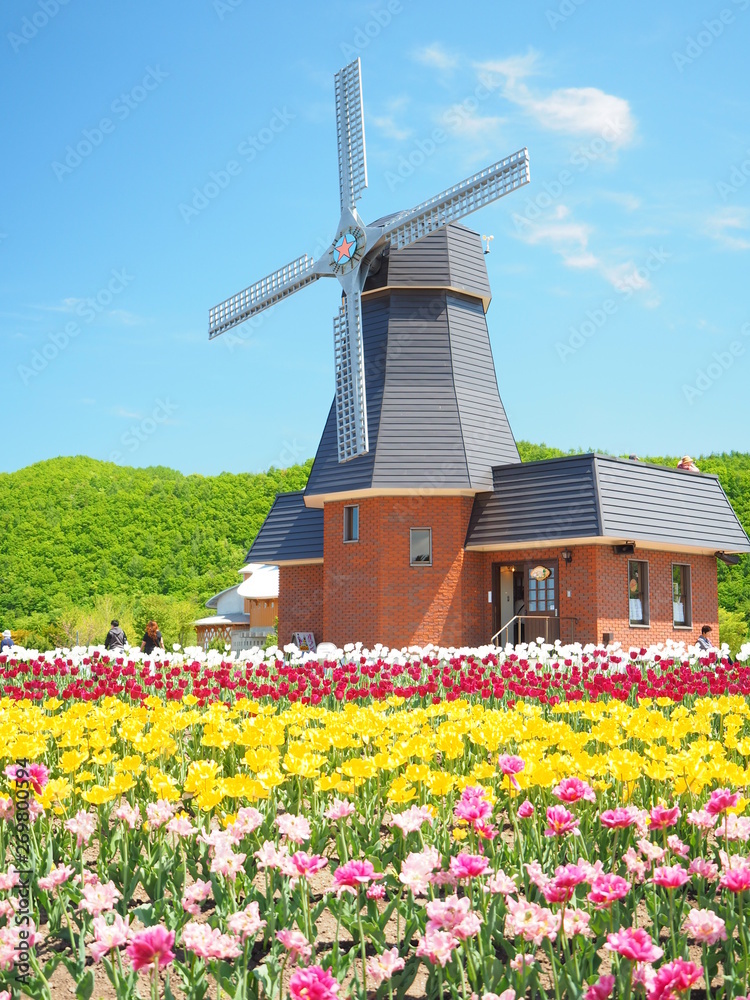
(372, 594)
(300, 605)
(598, 583)
(579, 577)
(613, 605)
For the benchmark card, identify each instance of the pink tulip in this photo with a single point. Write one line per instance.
(468, 865)
(633, 944)
(735, 879)
(353, 874)
(601, 989)
(675, 979)
(313, 983)
(560, 822)
(662, 816)
(617, 819)
(151, 948)
(573, 790)
(525, 810)
(511, 765)
(607, 889)
(705, 927)
(721, 799)
(380, 968)
(670, 876)
(296, 944)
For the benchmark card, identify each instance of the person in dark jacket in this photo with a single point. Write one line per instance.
(152, 639)
(116, 638)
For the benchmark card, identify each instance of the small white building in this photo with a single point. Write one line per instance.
(245, 614)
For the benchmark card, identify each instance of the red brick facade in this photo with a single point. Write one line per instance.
(372, 594)
(300, 601)
(369, 592)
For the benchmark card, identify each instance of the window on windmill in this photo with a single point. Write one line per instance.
(420, 546)
(682, 615)
(351, 523)
(638, 592)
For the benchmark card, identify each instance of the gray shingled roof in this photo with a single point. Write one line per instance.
(435, 418)
(597, 496)
(291, 532)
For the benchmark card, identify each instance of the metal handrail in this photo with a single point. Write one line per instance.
(525, 618)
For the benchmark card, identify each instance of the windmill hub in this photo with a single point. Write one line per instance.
(356, 247)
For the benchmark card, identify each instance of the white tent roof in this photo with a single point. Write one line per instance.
(262, 582)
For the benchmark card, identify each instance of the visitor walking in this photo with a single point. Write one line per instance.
(7, 640)
(152, 639)
(116, 638)
(704, 642)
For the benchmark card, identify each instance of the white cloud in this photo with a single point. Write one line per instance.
(569, 239)
(630, 202)
(583, 111)
(725, 223)
(469, 124)
(389, 123)
(563, 235)
(390, 128)
(436, 56)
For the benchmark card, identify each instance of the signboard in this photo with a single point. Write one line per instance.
(540, 573)
(304, 641)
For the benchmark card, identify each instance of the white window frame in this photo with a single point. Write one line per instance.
(647, 622)
(355, 534)
(420, 562)
(687, 625)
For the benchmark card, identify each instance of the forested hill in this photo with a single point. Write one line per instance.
(82, 539)
(74, 530)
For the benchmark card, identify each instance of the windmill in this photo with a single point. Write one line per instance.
(354, 250)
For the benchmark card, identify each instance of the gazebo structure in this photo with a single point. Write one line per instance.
(246, 613)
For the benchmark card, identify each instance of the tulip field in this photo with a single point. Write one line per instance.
(540, 821)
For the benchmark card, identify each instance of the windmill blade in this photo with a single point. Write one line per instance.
(461, 200)
(351, 399)
(350, 129)
(264, 293)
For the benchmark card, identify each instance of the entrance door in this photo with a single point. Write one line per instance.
(542, 600)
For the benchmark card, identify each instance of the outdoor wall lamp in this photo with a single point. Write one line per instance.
(567, 556)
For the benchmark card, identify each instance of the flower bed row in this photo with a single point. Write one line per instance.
(583, 849)
(546, 674)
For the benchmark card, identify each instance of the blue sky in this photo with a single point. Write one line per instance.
(620, 317)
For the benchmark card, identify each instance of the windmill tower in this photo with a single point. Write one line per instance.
(373, 549)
